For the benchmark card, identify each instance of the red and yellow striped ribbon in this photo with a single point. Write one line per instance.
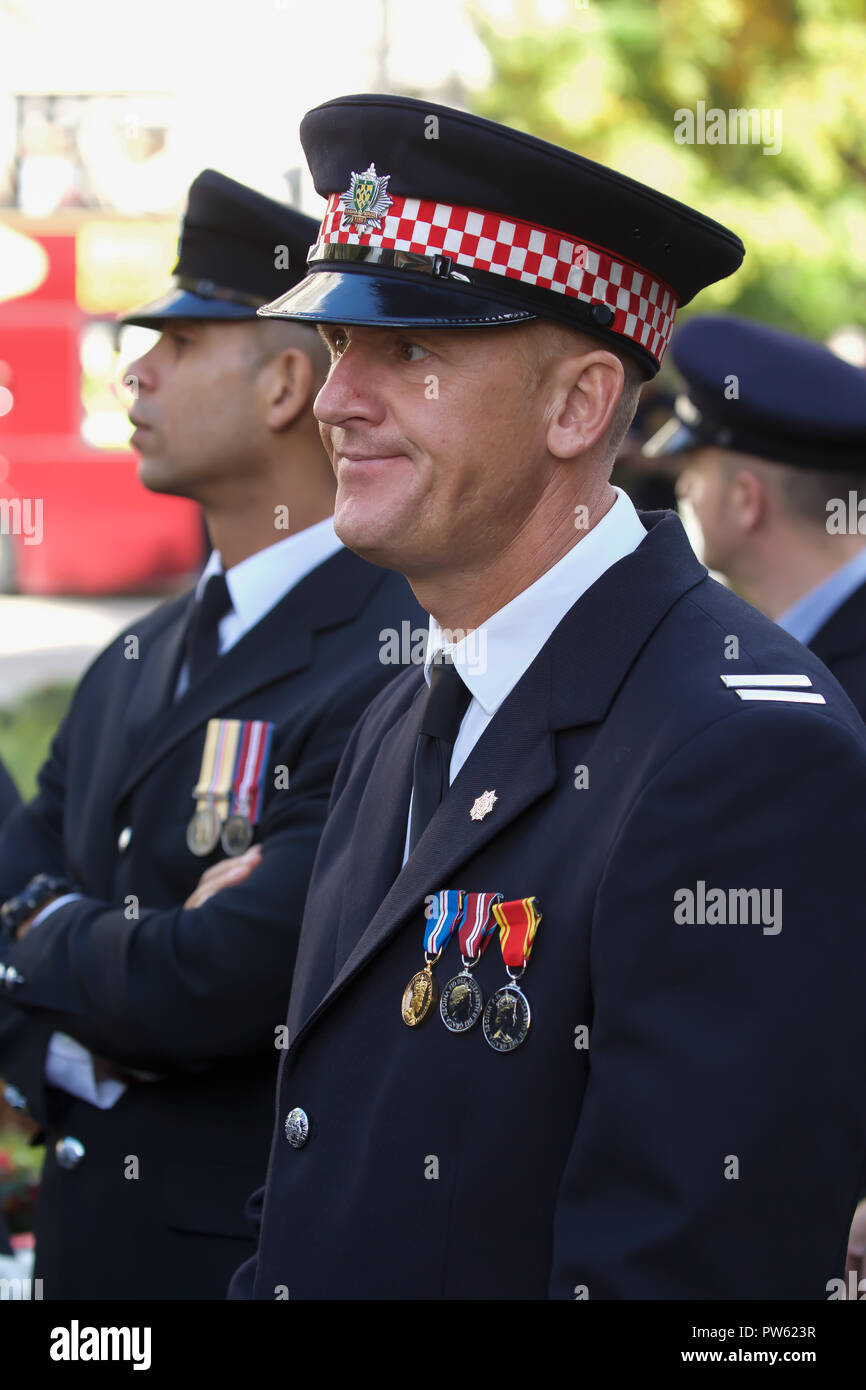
(518, 923)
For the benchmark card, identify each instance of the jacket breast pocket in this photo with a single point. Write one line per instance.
(209, 1198)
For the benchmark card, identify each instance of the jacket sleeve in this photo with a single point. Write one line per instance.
(31, 842)
(723, 1129)
(186, 987)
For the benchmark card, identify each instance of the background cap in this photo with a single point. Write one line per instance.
(761, 391)
(236, 250)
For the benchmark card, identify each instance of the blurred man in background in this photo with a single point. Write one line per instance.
(147, 997)
(773, 429)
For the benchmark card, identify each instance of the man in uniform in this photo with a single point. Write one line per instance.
(146, 998)
(659, 843)
(773, 430)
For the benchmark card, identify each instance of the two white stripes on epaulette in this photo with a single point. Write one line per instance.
(774, 688)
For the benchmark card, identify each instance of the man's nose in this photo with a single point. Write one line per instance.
(350, 392)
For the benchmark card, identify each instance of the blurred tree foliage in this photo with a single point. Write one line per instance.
(26, 731)
(606, 78)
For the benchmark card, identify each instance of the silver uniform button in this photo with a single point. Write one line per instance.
(124, 838)
(297, 1127)
(69, 1152)
(14, 1098)
(13, 977)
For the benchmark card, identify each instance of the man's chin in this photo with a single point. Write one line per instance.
(368, 533)
(158, 477)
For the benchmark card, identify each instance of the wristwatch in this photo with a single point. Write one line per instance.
(38, 891)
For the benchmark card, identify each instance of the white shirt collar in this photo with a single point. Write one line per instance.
(259, 582)
(492, 659)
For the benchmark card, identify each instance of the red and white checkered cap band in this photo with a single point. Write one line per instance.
(644, 308)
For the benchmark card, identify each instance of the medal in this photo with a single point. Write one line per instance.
(507, 1015)
(462, 1001)
(212, 788)
(237, 835)
(203, 831)
(419, 996)
(247, 786)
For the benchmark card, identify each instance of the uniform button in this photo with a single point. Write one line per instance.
(297, 1127)
(124, 838)
(12, 976)
(69, 1152)
(13, 1097)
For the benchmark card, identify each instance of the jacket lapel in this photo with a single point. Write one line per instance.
(280, 644)
(160, 666)
(368, 865)
(515, 756)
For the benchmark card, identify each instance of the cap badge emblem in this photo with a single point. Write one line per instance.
(365, 201)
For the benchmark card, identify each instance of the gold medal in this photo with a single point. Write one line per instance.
(419, 996)
(444, 910)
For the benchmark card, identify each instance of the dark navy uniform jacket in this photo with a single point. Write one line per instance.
(841, 645)
(710, 1140)
(8, 794)
(194, 996)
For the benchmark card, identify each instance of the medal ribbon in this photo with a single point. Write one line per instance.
(446, 911)
(208, 759)
(518, 922)
(477, 926)
(252, 759)
(218, 764)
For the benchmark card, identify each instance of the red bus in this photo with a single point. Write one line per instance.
(73, 516)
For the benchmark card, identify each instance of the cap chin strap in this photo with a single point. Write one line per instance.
(206, 289)
(437, 266)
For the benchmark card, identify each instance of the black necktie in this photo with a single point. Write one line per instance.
(446, 704)
(202, 634)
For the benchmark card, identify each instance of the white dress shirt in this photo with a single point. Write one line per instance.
(491, 659)
(255, 586)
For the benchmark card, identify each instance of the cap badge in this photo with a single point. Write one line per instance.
(365, 201)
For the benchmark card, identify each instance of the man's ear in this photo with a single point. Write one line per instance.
(584, 394)
(749, 499)
(286, 387)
